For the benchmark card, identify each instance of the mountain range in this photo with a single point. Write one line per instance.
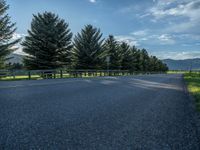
(15, 58)
(185, 64)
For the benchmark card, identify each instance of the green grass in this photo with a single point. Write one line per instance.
(193, 85)
(176, 72)
(19, 77)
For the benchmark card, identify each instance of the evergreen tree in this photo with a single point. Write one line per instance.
(14, 66)
(152, 63)
(126, 56)
(164, 67)
(139, 60)
(157, 65)
(87, 48)
(6, 33)
(161, 66)
(145, 60)
(48, 43)
(135, 59)
(111, 49)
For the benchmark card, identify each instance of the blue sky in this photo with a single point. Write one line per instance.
(166, 28)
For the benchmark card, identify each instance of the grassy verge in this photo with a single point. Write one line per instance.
(19, 77)
(176, 72)
(193, 85)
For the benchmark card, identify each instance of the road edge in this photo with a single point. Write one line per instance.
(197, 114)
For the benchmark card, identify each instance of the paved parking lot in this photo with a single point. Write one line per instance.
(111, 113)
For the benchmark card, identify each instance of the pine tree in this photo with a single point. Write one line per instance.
(87, 48)
(48, 43)
(157, 65)
(152, 63)
(6, 33)
(135, 59)
(111, 49)
(126, 57)
(145, 60)
(138, 60)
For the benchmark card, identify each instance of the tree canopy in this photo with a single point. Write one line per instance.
(111, 49)
(7, 30)
(87, 48)
(49, 46)
(48, 43)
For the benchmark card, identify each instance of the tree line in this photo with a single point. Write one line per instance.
(7, 29)
(50, 45)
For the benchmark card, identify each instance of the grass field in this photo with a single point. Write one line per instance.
(19, 77)
(176, 72)
(193, 84)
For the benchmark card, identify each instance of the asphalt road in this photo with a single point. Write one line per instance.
(111, 113)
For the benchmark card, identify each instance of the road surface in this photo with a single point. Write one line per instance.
(111, 113)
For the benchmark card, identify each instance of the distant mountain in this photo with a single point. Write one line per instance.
(185, 64)
(15, 58)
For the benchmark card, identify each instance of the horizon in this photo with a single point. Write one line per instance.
(161, 59)
(168, 30)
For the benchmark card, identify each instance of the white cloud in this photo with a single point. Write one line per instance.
(92, 1)
(140, 33)
(17, 36)
(128, 39)
(177, 55)
(153, 38)
(166, 39)
(18, 46)
(188, 12)
(189, 9)
(147, 37)
(19, 50)
(175, 25)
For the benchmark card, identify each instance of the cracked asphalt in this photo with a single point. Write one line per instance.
(150, 112)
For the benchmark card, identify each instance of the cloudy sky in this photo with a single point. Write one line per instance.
(166, 28)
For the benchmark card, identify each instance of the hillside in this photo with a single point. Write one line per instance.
(15, 58)
(186, 64)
